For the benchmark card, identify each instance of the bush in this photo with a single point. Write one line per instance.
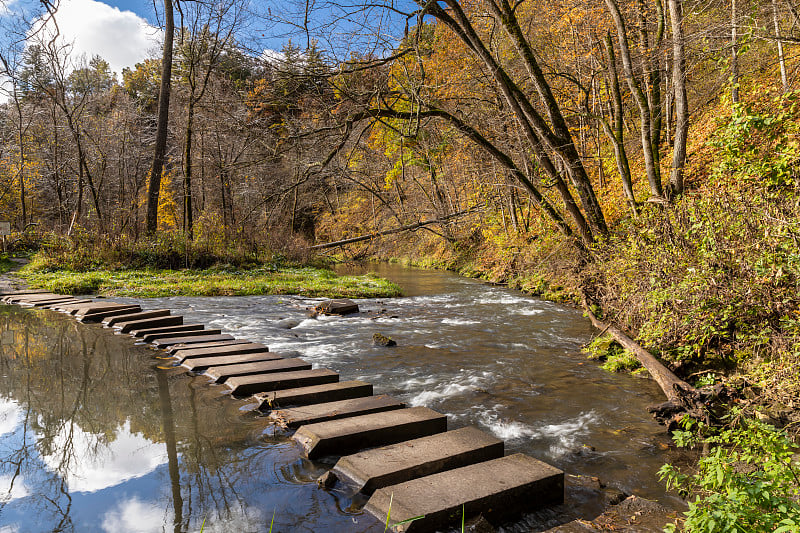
(748, 480)
(84, 252)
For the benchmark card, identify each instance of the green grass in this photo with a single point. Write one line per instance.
(305, 281)
(6, 263)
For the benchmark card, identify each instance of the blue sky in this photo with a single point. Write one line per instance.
(125, 32)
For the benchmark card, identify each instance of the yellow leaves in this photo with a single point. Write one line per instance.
(167, 206)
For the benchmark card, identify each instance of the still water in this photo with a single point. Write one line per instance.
(93, 437)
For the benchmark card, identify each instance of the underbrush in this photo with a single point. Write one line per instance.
(712, 282)
(746, 480)
(85, 251)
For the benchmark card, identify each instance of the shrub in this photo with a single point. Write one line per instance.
(748, 480)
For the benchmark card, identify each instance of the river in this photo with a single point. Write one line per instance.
(94, 438)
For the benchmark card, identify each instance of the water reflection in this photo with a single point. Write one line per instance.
(93, 438)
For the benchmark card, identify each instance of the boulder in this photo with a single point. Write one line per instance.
(378, 339)
(341, 306)
(288, 323)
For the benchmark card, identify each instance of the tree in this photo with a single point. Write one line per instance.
(160, 149)
(681, 99)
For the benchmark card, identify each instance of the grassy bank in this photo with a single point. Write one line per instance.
(308, 281)
(82, 265)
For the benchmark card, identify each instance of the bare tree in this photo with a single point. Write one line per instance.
(160, 150)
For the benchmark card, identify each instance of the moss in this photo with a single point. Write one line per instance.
(613, 356)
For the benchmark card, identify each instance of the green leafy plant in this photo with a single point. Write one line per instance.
(748, 480)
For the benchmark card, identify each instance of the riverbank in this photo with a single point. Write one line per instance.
(150, 283)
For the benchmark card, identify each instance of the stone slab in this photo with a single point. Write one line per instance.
(101, 315)
(177, 347)
(169, 320)
(170, 341)
(330, 392)
(201, 363)
(349, 435)
(247, 385)
(152, 337)
(165, 329)
(69, 306)
(498, 489)
(222, 373)
(56, 305)
(15, 298)
(188, 352)
(373, 469)
(5, 294)
(46, 301)
(141, 315)
(96, 307)
(322, 412)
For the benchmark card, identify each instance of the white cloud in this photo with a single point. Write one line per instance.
(10, 416)
(9, 491)
(96, 465)
(134, 516)
(122, 38)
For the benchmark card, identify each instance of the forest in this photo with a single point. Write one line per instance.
(635, 157)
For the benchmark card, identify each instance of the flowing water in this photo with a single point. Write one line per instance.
(94, 438)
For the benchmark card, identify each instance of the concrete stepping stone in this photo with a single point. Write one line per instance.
(189, 351)
(222, 373)
(247, 385)
(201, 363)
(373, 469)
(169, 320)
(43, 301)
(169, 341)
(330, 392)
(152, 337)
(22, 292)
(166, 329)
(349, 435)
(498, 489)
(97, 315)
(68, 307)
(16, 298)
(51, 305)
(322, 412)
(141, 315)
(178, 347)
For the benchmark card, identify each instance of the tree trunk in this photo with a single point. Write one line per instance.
(617, 133)
(653, 173)
(188, 217)
(734, 55)
(154, 184)
(21, 171)
(670, 384)
(681, 100)
(562, 142)
(781, 57)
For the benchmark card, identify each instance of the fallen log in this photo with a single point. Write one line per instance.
(682, 398)
(669, 382)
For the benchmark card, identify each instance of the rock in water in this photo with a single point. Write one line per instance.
(379, 339)
(341, 306)
(287, 323)
(327, 480)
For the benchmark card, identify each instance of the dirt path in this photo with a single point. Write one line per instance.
(10, 282)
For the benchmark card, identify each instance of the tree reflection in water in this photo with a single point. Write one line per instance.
(94, 438)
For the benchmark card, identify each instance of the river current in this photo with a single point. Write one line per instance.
(94, 438)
